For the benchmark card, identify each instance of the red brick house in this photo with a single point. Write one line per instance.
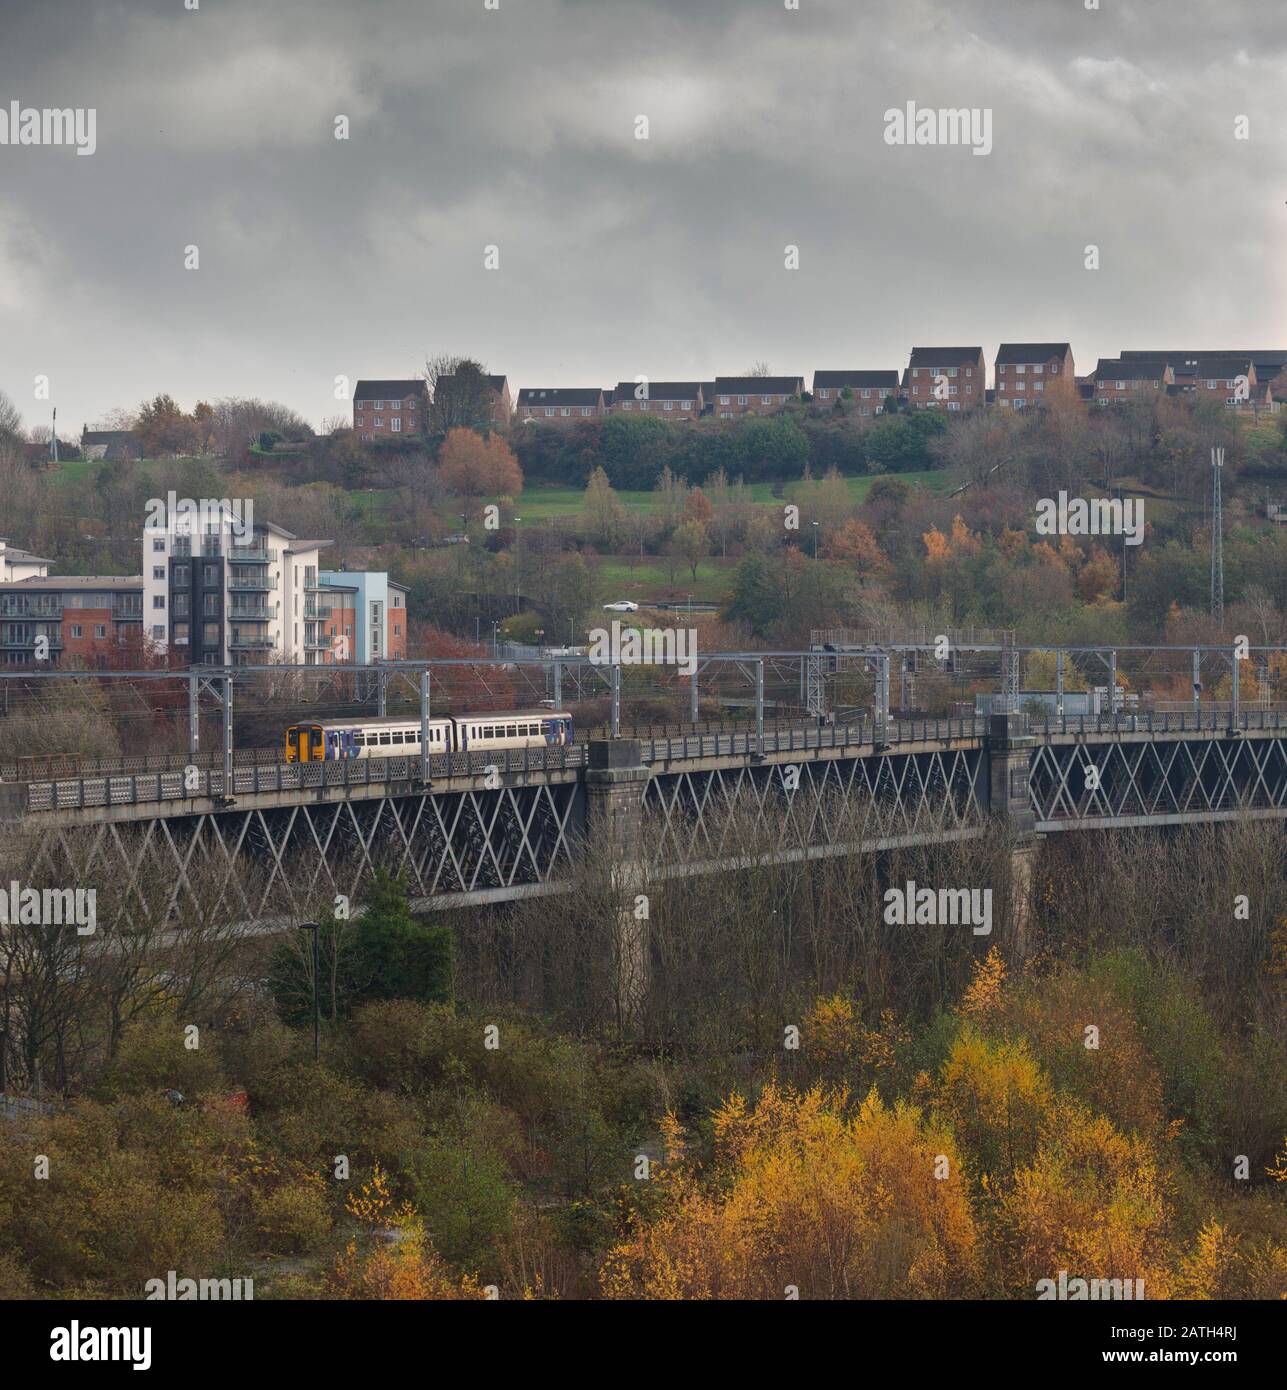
(952, 377)
(669, 400)
(867, 390)
(1117, 379)
(88, 620)
(387, 409)
(734, 396)
(1029, 373)
(560, 404)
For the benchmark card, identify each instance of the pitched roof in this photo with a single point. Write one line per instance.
(944, 356)
(1141, 370)
(827, 380)
(560, 395)
(1009, 353)
(759, 385)
(108, 437)
(1223, 365)
(390, 390)
(659, 390)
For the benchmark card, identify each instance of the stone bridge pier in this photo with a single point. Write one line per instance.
(615, 778)
(1009, 752)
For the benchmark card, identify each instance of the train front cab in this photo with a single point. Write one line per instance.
(304, 743)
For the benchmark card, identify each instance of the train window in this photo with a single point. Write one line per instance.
(396, 736)
(511, 731)
(385, 740)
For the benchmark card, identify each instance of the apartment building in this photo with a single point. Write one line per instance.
(84, 620)
(369, 612)
(1028, 374)
(20, 564)
(387, 409)
(735, 396)
(502, 402)
(1119, 379)
(867, 390)
(671, 400)
(954, 378)
(560, 404)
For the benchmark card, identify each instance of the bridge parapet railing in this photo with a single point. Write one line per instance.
(175, 785)
(1148, 722)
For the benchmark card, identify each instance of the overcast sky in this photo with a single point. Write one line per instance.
(516, 128)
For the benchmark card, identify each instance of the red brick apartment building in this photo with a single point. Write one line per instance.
(387, 409)
(964, 369)
(734, 396)
(1117, 379)
(1029, 373)
(867, 390)
(671, 400)
(88, 620)
(560, 404)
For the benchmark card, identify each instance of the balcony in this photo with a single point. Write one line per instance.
(245, 642)
(253, 613)
(256, 581)
(256, 554)
(15, 606)
(28, 643)
(314, 611)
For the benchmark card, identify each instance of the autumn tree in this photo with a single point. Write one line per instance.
(605, 516)
(472, 466)
(692, 541)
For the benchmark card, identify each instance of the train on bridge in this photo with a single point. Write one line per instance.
(330, 740)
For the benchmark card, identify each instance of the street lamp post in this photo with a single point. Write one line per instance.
(312, 929)
(815, 540)
(518, 562)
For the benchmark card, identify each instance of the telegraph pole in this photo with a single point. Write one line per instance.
(1217, 536)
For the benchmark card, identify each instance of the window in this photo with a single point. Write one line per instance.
(1021, 386)
(158, 633)
(741, 400)
(823, 394)
(158, 600)
(1211, 386)
(360, 421)
(395, 424)
(565, 410)
(643, 405)
(1020, 369)
(1121, 385)
(158, 547)
(158, 571)
(766, 400)
(627, 405)
(379, 405)
(100, 629)
(1038, 385)
(1036, 369)
(723, 400)
(969, 371)
(180, 605)
(181, 576)
(1005, 404)
(210, 575)
(210, 634)
(379, 421)
(76, 630)
(549, 411)
(181, 634)
(669, 405)
(951, 371)
(1054, 369)
(685, 405)
(1019, 403)
(866, 395)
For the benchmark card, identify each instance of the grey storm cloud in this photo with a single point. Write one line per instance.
(515, 127)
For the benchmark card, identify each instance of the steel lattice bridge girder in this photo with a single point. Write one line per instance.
(1171, 781)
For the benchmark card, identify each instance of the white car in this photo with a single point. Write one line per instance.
(621, 606)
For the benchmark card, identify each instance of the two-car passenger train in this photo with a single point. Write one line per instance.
(336, 739)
